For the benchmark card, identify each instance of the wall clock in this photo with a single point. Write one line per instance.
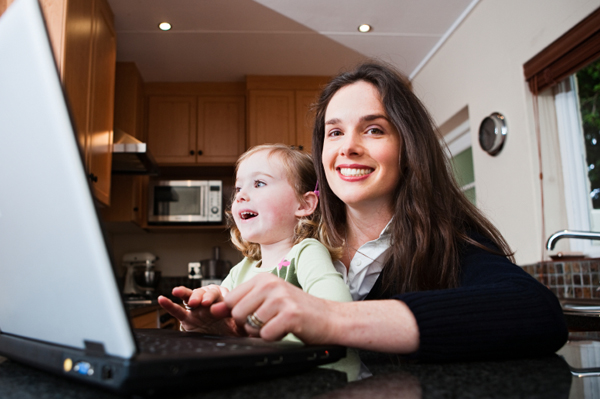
(492, 133)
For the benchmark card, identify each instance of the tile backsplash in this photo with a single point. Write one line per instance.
(578, 279)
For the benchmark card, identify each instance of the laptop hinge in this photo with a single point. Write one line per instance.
(94, 348)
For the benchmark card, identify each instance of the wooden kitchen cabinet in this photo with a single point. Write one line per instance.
(305, 117)
(101, 101)
(221, 129)
(150, 317)
(172, 129)
(129, 100)
(271, 117)
(84, 44)
(127, 200)
(127, 194)
(196, 124)
(279, 109)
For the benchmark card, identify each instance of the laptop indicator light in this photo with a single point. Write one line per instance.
(67, 365)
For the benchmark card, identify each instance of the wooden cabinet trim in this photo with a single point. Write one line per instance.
(195, 88)
(254, 82)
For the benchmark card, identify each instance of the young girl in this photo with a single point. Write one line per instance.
(275, 223)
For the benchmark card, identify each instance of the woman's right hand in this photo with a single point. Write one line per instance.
(199, 318)
(282, 307)
(382, 325)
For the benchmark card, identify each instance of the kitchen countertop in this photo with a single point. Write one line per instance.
(372, 375)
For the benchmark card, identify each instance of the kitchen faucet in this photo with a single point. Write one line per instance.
(584, 235)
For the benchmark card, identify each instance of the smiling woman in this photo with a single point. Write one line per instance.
(432, 268)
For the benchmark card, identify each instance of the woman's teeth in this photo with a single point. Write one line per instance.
(355, 172)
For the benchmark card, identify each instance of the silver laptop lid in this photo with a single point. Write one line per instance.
(56, 281)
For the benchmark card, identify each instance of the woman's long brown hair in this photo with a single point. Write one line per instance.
(433, 221)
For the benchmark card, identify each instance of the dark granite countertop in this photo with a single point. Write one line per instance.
(373, 375)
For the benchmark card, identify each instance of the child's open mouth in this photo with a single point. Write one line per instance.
(248, 215)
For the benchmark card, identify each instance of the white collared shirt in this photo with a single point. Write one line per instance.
(366, 265)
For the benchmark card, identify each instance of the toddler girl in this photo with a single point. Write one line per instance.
(275, 222)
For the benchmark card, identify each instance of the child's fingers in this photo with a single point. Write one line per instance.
(212, 294)
(196, 297)
(182, 293)
(175, 310)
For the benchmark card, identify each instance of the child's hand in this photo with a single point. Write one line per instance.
(199, 318)
(206, 295)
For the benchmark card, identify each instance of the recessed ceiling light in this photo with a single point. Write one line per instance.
(364, 28)
(164, 26)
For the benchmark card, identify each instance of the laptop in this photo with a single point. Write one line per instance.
(60, 306)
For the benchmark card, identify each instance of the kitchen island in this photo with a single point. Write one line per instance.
(366, 374)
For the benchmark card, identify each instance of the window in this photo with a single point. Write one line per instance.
(565, 81)
(577, 102)
(458, 142)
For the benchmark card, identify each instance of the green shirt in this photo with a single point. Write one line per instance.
(307, 266)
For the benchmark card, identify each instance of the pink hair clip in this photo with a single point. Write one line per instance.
(317, 188)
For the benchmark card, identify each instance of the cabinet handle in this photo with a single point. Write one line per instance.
(301, 147)
(135, 209)
(191, 152)
(93, 177)
(199, 152)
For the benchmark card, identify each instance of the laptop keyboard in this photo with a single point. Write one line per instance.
(155, 342)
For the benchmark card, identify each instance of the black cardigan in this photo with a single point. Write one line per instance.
(498, 312)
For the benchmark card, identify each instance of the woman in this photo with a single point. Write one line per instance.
(438, 275)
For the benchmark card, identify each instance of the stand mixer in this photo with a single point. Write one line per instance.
(141, 278)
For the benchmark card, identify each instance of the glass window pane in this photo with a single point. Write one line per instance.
(588, 90)
(462, 165)
(470, 194)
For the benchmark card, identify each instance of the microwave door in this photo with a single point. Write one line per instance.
(179, 204)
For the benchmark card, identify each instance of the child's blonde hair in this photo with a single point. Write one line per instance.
(301, 175)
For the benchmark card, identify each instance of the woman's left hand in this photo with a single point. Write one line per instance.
(282, 307)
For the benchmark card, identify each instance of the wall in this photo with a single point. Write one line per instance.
(480, 67)
(175, 250)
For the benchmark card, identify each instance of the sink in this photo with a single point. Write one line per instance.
(581, 314)
(581, 310)
(581, 306)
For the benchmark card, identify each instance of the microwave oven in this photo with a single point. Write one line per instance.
(185, 201)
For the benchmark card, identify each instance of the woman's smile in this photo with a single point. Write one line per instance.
(354, 172)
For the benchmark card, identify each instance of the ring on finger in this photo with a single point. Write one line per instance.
(254, 321)
(186, 306)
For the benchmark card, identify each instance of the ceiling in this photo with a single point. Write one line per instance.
(225, 40)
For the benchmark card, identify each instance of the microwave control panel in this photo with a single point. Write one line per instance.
(215, 203)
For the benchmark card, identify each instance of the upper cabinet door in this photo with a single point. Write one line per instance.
(75, 65)
(271, 117)
(221, 133)
(84, 43)
(305, 118)
(172, 129)
(102, 82)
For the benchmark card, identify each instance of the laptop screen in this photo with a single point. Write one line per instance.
(56, 281)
